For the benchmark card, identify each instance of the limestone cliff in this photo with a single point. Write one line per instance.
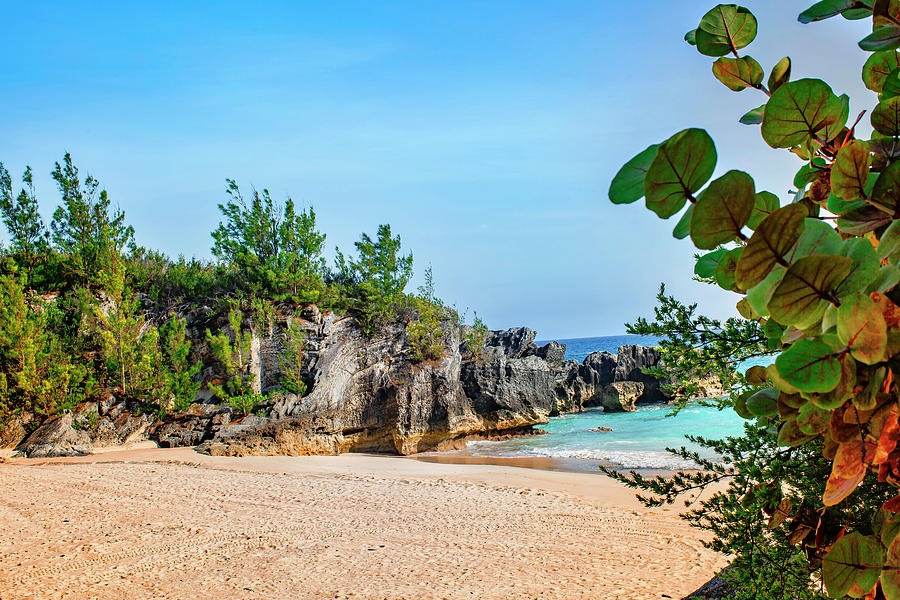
(367, 394)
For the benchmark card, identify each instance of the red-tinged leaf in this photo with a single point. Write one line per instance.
(838, 488)
(887, 442)
(849, 460)
(892, 505)
(854, 561)
(889, 310)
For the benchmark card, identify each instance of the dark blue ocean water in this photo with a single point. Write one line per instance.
(578, 348)
(638, 439)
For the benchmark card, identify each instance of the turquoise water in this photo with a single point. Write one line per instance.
(638, 439)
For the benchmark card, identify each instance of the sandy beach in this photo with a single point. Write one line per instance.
(172, 523)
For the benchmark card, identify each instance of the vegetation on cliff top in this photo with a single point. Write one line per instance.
(811, 505)
(84, 311)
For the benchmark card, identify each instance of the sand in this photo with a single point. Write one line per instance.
(155, 523)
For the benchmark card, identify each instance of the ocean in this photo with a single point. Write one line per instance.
(638, 439)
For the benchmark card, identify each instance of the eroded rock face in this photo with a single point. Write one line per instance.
(367, 393)
(621, 396)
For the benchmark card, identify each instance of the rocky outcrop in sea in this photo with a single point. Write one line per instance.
(367, 394)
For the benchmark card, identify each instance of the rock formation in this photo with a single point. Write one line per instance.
(367, 394)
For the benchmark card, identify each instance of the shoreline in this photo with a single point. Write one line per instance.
(172, 523)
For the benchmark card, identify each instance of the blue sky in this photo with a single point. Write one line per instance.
(485, 133)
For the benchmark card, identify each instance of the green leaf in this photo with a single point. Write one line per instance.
(891, 85)
(706, 264)
(738, 73)
(812, 420)
(886, 116)
(683, 227)
(803, 293)
(878, 67)
(628, 184)
(691, 37)
(800, 110)
(853, 562)
(888, 276)
(781, 74)
(764, 204)
(725, 28)
(772, 240)
(861, 326)
(809, 366)
(818, 237)
(863, 220)
(763, 403)
(759, 295)
(753, 117)
(889, 245)
(722, 210)
(887, 187)
(825, 10)
(865, 266)
(725, 269)
(850, 171)
(883, 38)
(683, 163)
(890, 576)
(790, 435)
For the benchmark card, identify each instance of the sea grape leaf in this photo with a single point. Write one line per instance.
(861, 326)
(854, 561)
(843, 391)
(885, 117)
(865, 266)
(628, 184)
(725, 269)
(744, 309)
(886, 192)
(772, 240)
(691, 37)
(759, 295)
(812, 420)
(790, 435)
(888, 276)
(756, 375)
(887, 147)
(883, 38)
(683, 163)
(890, 576)
(850, 171)
(781, 74)
(763, 403)
(863, 220)
(724, 29)
(740, 405)
(818, 237)
(706, 264)
(800, 110)
(738, 73)
(838, 488)
(683, 227)
(754, 116)
(778, 381)
(891, 85)
(887, 439)
(809, 365)
(825, 10)
(764, 204)
(808, 285)
(878, 67)
(722, 210)
(889, 245)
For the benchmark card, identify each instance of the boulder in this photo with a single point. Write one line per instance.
(621, 396)
(15, 430)
(58, 436)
